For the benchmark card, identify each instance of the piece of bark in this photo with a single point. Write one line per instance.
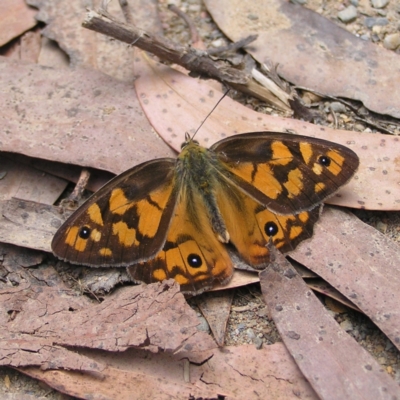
(239, 372)
(336, 366)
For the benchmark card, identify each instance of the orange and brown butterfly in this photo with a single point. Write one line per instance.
(172, 218)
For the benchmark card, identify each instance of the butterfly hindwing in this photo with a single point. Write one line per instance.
(124, 222)
(251, 226)
(192, 254)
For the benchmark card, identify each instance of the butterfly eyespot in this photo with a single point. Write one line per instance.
(194, 260)
(325, 161)
(84, 232)
(271, 229)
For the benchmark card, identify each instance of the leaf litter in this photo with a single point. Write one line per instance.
(61, 355)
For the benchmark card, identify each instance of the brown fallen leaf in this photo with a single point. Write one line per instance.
(26, 183)
(184, 102)
(88, 49)
(216, 308)
(28, 224)
(16, 18)
(240, 372)
(361, 263)
(89, 120)
(336, 366)
(318, 54)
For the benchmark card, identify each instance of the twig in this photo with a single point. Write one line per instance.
(192, 27)
(233, 46)
(196, 61)
(126, 11)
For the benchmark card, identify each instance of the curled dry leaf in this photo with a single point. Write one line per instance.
(184, 102)
(317, 54)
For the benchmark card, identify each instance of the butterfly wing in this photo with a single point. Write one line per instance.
(285, 173)
(251, 226)
(126, 221)
(192, 254)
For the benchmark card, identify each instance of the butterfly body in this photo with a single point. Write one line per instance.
(171, 218)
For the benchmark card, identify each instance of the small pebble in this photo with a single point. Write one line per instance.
(379, 3)
(346, 325)
(359, 127)
(203, 325)
(338, 107)
(254, 339)
(252, 17)
(175, 2)
(382, 360)
(218, 43)
(365, 37)
(372, 21)
(381, 226)
(354, 2)
(348, 14)
(392, 41)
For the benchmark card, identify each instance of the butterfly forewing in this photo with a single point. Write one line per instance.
(125, 221)
(286, 173)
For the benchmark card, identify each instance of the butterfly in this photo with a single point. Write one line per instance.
(176, 218)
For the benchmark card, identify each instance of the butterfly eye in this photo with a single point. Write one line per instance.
(271, 229)
(325, 161)
(194, 260)
(84, 232)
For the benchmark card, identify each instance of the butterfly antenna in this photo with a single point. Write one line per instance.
(205, 119)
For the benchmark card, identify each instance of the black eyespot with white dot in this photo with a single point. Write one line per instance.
(325, 161)
(84, 232)
(194, 260)
(270, 228)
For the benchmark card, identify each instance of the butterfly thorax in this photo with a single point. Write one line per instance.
(196, 175)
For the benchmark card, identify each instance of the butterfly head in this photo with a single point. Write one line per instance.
(188, 140)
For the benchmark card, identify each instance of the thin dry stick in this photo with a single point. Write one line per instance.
(192, 27)
(196, 61)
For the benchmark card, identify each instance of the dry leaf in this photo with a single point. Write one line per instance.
(333, 362)
(184, 102)
(361, 263)
(318, 54)
(216, 308)
(26, 183)
(16, 18)
(90, 119)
